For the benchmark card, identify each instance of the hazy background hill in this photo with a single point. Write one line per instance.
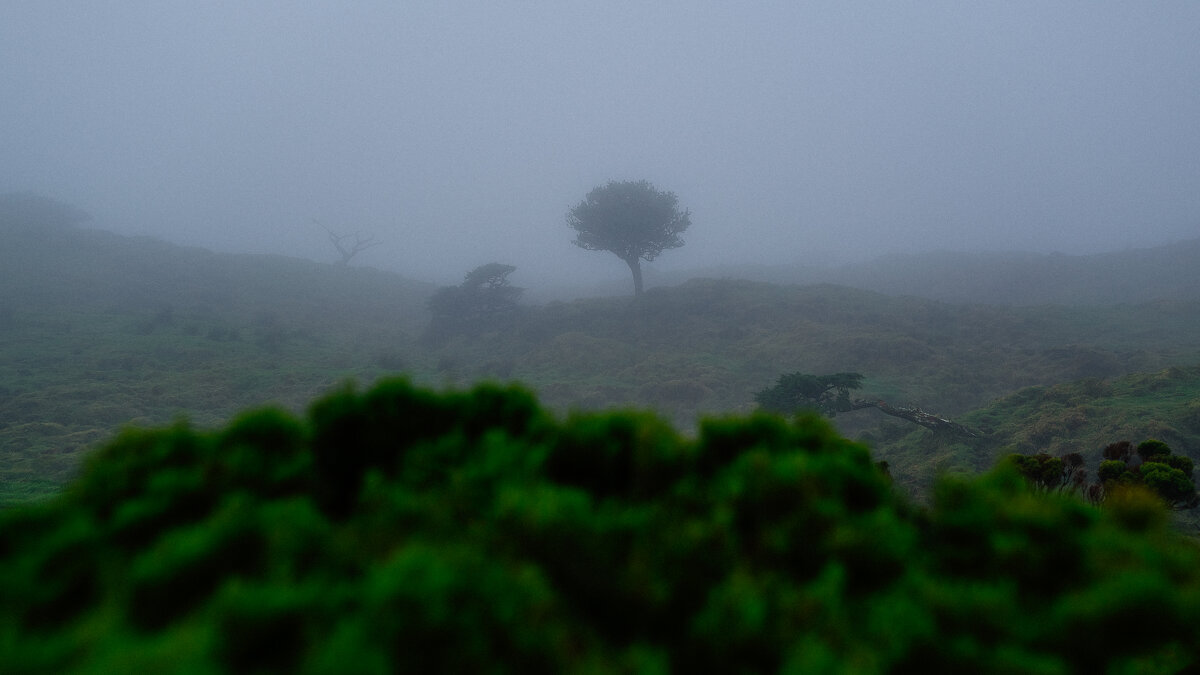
(88, 269)
(1014, 278)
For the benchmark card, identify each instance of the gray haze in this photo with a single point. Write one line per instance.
(460, 133)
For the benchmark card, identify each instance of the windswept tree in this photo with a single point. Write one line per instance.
(830, 395)
(826, 394)
(484, 298)
(632, 220)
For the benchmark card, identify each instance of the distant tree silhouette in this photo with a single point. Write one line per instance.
(347, 249)
(632, 220)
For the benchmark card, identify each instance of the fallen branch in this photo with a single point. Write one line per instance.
(916, 416)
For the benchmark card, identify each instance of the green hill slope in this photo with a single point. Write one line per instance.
(99, 331)
(1081, 416)
(708, 345)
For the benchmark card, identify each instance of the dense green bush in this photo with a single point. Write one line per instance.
(399, 529)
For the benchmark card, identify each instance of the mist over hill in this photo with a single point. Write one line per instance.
(100, 330)
(94, 269)
(1170, 272)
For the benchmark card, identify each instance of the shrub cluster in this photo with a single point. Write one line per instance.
(398, 529)
(1149, 466)
(1152, 465)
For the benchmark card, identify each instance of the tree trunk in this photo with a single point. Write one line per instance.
(916, 416)
(635, 266)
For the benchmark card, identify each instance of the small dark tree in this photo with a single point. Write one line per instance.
(1121, 451)
(483, 299)
(1052, 474)
(632, 220)
(1111, 470)
(827, 394)
(1151, 448)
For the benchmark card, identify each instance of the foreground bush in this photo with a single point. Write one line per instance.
(404, 530)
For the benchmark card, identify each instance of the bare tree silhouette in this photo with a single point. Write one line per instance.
(348, 250)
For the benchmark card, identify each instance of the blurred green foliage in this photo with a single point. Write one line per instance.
(402, 530)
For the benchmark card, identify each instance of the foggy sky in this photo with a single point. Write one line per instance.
(460, 133)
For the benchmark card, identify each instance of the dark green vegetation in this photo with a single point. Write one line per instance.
(824, 394)
(99, 331)
(398, 530)
(631, 219)
(1150, 465)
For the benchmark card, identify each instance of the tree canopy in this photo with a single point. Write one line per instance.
(631, 219)
(826, 394)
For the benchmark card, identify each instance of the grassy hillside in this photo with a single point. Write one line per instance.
(1080, 416)
(708, 345)
(99, 331)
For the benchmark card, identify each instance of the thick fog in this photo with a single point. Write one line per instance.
(460, 133)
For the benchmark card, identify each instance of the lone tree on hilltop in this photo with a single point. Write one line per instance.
(631, 219)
